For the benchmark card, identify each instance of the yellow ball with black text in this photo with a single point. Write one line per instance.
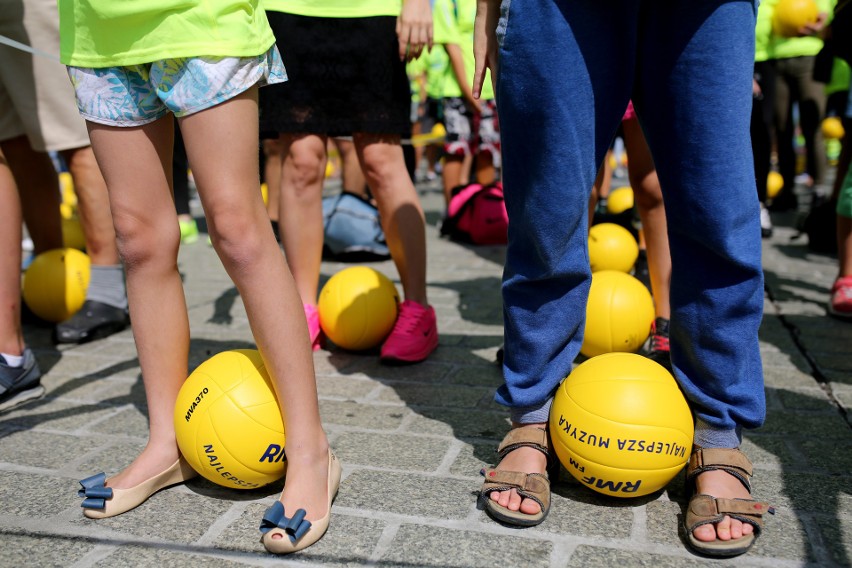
(612, 247)
(55, 283)
(621, 425)
(228, 423)
(358, 308)
(619, 313)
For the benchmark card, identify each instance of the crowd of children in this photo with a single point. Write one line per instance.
(148, 74)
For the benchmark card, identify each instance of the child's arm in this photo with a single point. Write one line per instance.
(457, 64)
(414, 28)
(485, 43)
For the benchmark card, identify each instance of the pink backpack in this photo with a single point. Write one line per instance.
(477, 215)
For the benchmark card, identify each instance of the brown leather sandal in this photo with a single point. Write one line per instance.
(535, 486)
(705, 509)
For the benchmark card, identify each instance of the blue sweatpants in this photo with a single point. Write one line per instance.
(567, 70)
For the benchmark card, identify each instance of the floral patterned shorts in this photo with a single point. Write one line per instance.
(134, 95)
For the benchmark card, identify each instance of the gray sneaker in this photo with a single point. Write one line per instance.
(19, 384)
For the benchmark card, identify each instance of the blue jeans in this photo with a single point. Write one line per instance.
(567, 71)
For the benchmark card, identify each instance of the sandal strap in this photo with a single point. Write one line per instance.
(526, 436)
(730, 460)
(705, 509)
(535, 486)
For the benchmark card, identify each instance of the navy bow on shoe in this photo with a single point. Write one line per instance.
(94, 493)
(294, 527)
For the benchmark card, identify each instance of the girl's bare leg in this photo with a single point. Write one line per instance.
(221, 143)
(399, 207)
(649, 202)
(300, 214)
(136, 164)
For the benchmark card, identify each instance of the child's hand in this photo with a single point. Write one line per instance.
(485, 43)
(815, 28)
(414, 29)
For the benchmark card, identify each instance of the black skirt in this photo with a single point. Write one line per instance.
(344, 76)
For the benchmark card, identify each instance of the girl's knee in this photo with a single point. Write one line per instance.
(141, 244)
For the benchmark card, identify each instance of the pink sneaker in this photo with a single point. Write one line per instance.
(414, 335)
(314, 329)
(841, 298)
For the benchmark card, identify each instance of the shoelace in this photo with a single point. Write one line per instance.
(407, 321)
(659, 343)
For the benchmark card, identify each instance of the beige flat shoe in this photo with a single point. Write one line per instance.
(296, 532)
(100, 502)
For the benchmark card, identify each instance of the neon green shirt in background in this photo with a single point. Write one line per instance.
(453, 23)
(436, 72)
(336, 8)
(108, 33)
(840, 77)
(784, 47)
(415, 69)
(763, 30)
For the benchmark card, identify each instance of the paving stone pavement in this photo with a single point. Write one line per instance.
(412, 441)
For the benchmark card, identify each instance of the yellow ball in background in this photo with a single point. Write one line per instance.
(620, 200)
(621, 426)
(66, 189)
(228, 423)
(612, 247)
(438, 131)
(619, 314)
(791, 15)
(264, 193)
(55, 283)
(774, 184)
(358, 308)
(832, 128)
(72, 233)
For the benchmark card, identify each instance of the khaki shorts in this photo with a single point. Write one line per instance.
(36, 97)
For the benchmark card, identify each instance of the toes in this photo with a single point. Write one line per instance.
(530, 507)
(723, 529)
(514, 501)
(705, 533)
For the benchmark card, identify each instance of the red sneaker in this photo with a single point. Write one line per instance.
(841, 298)
(658, 346)
(414, 335)
(314, 329)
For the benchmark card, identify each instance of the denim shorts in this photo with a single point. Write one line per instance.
(134, 95)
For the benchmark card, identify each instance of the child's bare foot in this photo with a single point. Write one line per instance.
(720, 484)
(154, 459)
(518, 489)
(526, 460)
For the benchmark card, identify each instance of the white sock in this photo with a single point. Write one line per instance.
(13, 360)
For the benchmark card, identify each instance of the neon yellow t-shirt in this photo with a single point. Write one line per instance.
(436, 72)
(336, 8)
(786, 47)
(453, 23)
(107, 33)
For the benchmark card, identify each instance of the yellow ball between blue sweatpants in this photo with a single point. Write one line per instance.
(612, 247)
(619, 200)
(55, 283)
(619, 314)
(358, 308)
(228, 423)
(621, 426)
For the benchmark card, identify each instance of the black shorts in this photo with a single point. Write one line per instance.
(344, 74)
